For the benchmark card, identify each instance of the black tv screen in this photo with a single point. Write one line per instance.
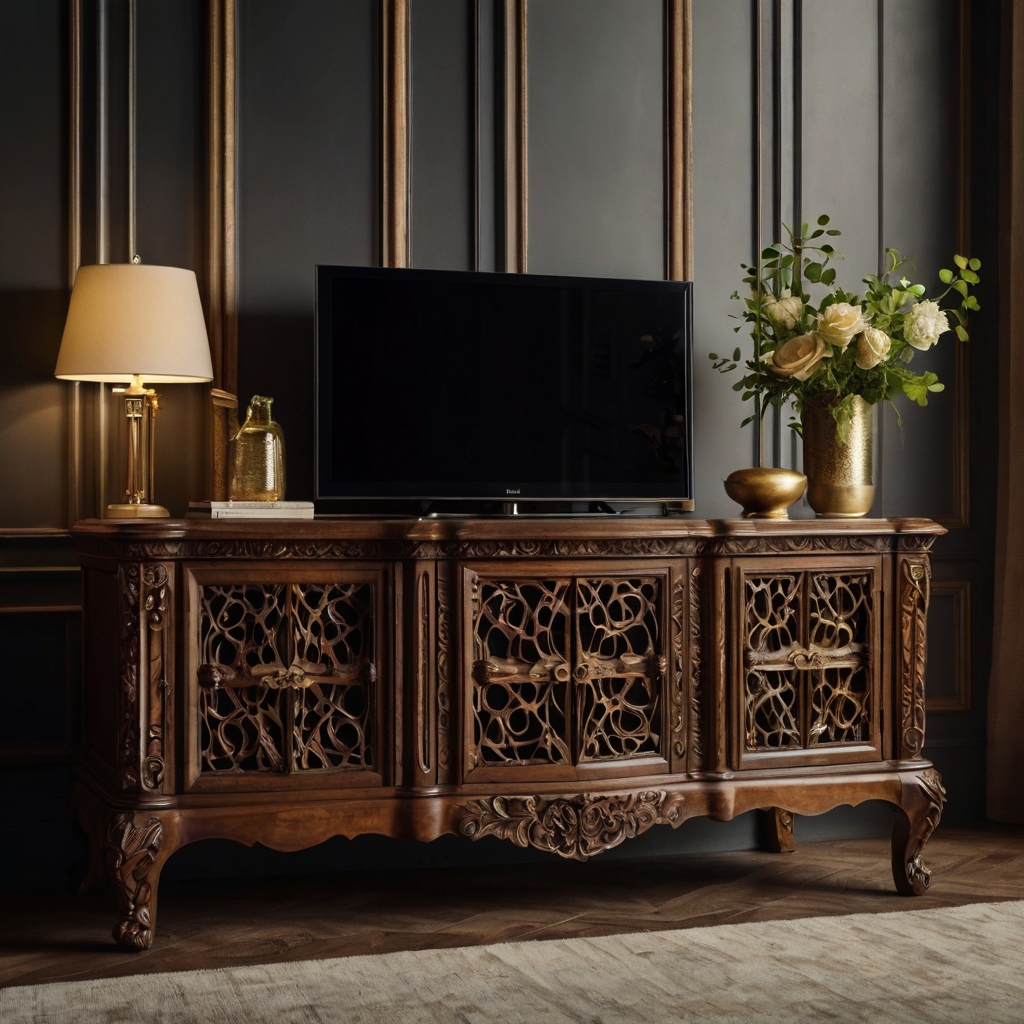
(436, 385)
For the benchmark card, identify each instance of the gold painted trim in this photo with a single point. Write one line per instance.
(394, 131)
(961, 517)
(222, 258)
(516, 156)
(678, 140)
(960, 591)
(40, 609)
(76, 467)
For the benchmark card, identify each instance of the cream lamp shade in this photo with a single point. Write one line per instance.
(131, 320)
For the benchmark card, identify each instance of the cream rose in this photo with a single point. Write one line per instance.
(924, 323)
(799, 357)
(872, 347)
(785, 311)
(840, 323)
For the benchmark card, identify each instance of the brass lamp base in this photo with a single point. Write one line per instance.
(137, 511)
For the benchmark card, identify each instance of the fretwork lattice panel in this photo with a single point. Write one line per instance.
(333, 631)
(807, 659)
(840, 624)
(773, 606)
(242, 729)
(521, 672)
(299, 695)
(618, 680)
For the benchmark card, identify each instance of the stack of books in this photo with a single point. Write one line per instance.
(250, 510)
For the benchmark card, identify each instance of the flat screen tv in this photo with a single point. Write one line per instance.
(448, 386)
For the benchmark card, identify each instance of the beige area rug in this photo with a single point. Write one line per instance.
(958, 965)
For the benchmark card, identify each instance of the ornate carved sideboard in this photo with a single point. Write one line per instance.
(564, 684)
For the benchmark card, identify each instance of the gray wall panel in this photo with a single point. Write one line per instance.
(307, 192)
(723, 228)
(442, 150)
(33, 263)
(307, 123)
(920, 219)
(596, 128)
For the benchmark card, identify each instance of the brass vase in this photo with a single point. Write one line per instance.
(257, 455)
(840, 474)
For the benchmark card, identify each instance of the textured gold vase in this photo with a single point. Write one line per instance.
(840, 474)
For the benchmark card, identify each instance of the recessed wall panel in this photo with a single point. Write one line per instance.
(308, 164)
(442, 155)
(596, 138)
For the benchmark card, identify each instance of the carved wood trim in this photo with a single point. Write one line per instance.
(130, 853)
(423, 701)
(443, 669)
(575, 827)
(129, 590)
(698, 673)
(271, 549)
(394, 132)
(679, 681)
(914, 591)
(154, 604)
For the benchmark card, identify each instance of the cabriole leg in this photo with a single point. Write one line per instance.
(776, 828)
(133, 861)
(916, 818)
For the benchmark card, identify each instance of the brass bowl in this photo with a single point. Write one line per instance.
(765, 492)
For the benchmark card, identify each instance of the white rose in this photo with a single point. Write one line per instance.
(872, 347)
(785, 311)
(924, 323)
(799, 357)
(840, 323)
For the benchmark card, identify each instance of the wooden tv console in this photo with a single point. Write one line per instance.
(565, 684)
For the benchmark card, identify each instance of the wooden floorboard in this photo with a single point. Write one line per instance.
(58, 937)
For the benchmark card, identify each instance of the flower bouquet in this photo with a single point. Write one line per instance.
(844, 352)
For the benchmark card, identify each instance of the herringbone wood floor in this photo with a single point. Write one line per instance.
(52, 937)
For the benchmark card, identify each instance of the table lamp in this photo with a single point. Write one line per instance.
(135, 324)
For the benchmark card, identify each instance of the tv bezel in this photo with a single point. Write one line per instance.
(322, 385)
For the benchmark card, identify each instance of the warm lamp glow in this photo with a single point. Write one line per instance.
(134, 324)
(130, 320)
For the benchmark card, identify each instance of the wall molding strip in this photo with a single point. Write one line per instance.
(516, 157)
(76, 468)
(394, 185)
(679, 151)
(960, 592)
(221, 248)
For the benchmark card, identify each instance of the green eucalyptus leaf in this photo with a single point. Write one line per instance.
(833, 232)
(946, 276)
(736, 354)
(971, 276)
(960, 261)
(823, 219)
(974, 264)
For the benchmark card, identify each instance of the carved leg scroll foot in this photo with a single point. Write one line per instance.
(916, 819)
(776, 828)
(133, 862)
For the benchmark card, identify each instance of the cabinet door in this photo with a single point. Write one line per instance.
(284, 677)
(807, 662)
(566, 672)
